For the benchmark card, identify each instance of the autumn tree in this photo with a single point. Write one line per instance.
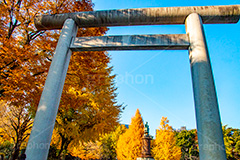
(129, 145)
(6, 144)
(86, 113)
(86, 150)
(89, 92)
(165, 143)
(108, 143)
(231, 138)
(104, 148)
(83, 124)
(26, 52)
(187, 140)
(15, 126)
(22, 63)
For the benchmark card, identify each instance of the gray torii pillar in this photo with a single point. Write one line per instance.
(40, 138)
(208, 119)
(210, 138)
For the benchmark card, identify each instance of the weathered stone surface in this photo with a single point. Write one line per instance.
(142, 16)
(40, 138)
(209, 129)
(131, 42)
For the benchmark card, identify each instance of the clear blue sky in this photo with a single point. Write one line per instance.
(159, 82)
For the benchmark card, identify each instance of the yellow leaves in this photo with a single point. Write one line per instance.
(164, 124)
(129, 145)
(4, 136)
(89, 150)
(108, 142)
(165, 143)
(15, 126)
(77, 151)
(25, 58)
(56, 139)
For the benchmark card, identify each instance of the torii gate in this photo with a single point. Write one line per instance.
(210, 139)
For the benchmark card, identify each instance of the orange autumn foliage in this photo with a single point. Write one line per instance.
(26, 53)
(129, 145)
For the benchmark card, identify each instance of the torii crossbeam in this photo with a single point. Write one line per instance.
(210, 138)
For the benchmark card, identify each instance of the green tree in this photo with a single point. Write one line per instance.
(108, 142)
(187, 140)
(231, 138)
(129, 145)
(165, 143)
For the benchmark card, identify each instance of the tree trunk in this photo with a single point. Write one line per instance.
(64, 146)
(15, 152)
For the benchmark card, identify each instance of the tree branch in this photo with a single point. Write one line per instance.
(5, 2)
(14, 60)
(38, 73)
(35, 35)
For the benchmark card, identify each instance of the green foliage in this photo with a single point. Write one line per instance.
(187, 140)
(231, 138)
(6, 148)
(108, 143)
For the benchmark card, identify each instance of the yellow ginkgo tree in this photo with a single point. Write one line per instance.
(129, 144)
(165, 143)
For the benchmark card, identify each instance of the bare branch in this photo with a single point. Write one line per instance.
(35, 35)
(5, 2)
(38, 73)
(49, 59)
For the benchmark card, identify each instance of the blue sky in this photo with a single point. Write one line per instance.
(159, 82)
